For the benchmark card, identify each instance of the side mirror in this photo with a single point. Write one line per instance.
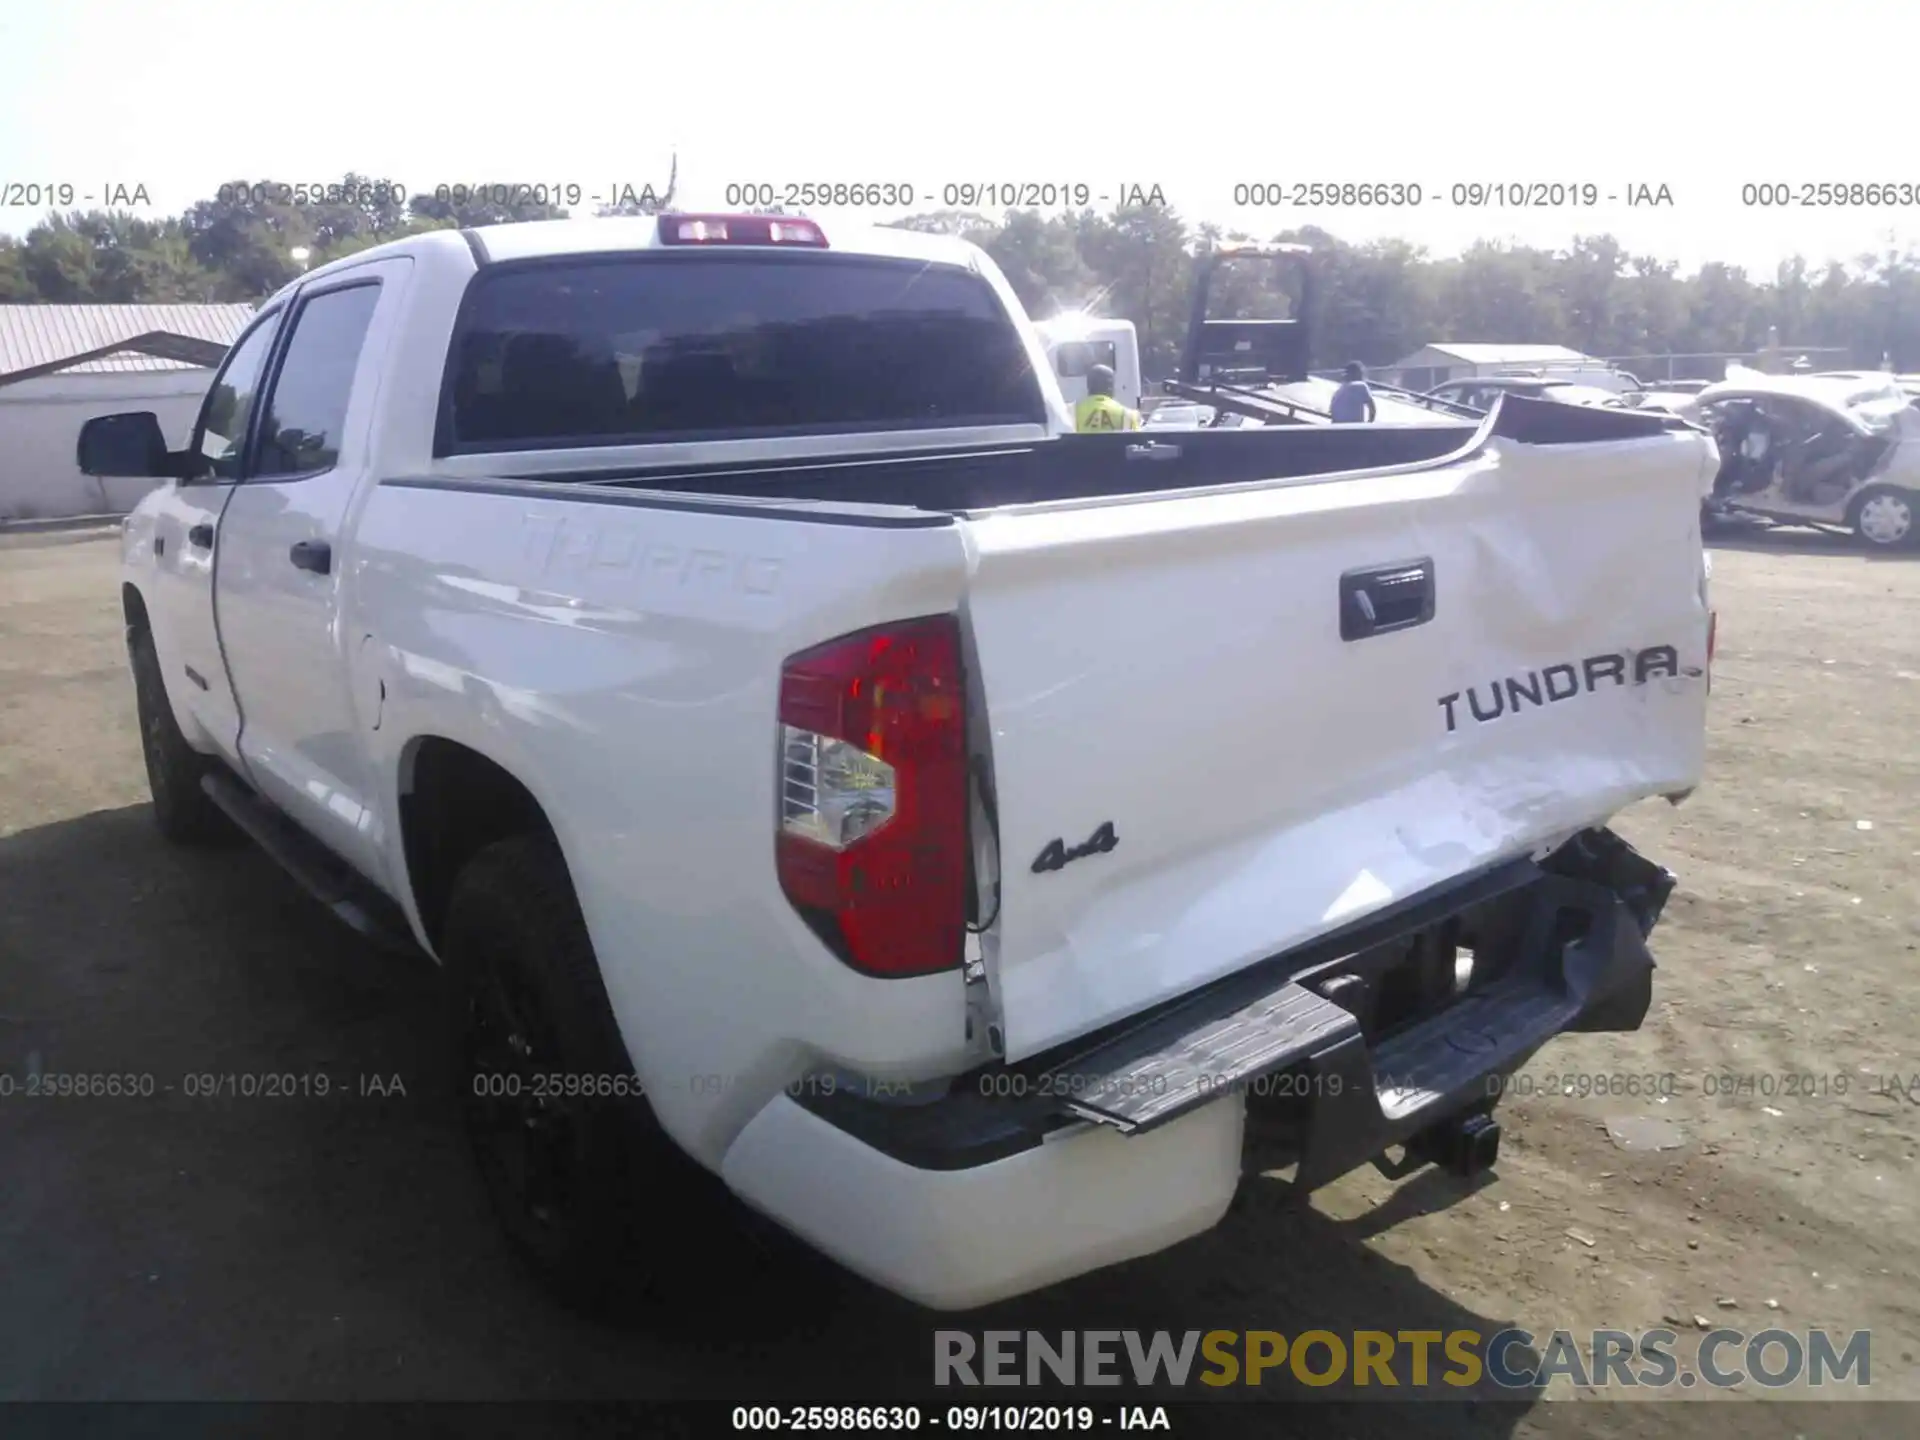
(127, 444)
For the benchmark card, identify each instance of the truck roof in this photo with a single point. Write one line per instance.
(532, 239)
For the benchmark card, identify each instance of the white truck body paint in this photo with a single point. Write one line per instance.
(1169, 663)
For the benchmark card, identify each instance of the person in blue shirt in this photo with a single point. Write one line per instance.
(1353, 401)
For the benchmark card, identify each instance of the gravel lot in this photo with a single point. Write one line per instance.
(182, 1248)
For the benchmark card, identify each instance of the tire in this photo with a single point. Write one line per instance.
(588, 1189)
(1886, 517)
(182, 810)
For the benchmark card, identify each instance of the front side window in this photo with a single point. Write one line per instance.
(308, 407)
(220, 437)
(678, 346)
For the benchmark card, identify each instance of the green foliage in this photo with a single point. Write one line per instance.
(1378, 300)
(238, 244)
(1383, 299)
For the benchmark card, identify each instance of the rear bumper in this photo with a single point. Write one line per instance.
(1138, 1138)
(959, 1238)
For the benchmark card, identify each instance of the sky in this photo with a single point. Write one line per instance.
(1703, 98)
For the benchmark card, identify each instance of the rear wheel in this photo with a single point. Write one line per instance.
(580, 1175)
(181, 808)
(1884, 517)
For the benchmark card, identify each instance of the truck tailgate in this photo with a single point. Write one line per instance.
(1225, 723)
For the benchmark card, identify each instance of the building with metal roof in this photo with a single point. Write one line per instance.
(61, 365)
(1434, 364)
(114, 339)
(1496, 355)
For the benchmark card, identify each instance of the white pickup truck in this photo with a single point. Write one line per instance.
(975, 844)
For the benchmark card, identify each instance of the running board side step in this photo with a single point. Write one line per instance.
(318, 871)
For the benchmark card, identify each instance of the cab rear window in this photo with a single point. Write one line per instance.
(677, 346)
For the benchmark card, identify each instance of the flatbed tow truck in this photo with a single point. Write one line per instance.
(1262, 369)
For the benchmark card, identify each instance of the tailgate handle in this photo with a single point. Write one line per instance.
(1384, 598)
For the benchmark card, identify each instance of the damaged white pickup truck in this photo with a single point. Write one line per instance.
(974, 843)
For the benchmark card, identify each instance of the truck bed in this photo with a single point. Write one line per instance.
(1090, 467)
(1294, 704)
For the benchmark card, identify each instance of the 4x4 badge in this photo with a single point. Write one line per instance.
(1057, 854)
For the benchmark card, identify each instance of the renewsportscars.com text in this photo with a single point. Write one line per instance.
(1511, 1359)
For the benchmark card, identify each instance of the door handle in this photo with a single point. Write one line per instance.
(314, 555)
(1384, 598)
(201, 537)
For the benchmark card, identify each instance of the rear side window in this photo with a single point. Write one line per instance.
(675, 346)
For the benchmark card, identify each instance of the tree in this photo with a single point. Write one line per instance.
(245, 236)
(964, 223)
(1141, 253)
(351, 244)
(1659, 309)
(58, 261)
(1596, 302)
(16, 285)
(1498, 292)
(1041, 259)
(1724, 313)
(466, 207)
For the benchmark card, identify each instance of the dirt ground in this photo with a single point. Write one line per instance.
(171, 1247)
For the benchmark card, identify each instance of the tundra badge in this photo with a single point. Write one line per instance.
(1562, 682)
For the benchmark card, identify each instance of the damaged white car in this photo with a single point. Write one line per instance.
(1835, 452)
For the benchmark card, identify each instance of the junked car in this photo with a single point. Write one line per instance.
(1909, 384)
(1482, 391)
(1831, 451)
(1178, 415)
(1183, 415)
(1669, 395)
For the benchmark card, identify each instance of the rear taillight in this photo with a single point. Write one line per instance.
(872, 838)
(740, 230)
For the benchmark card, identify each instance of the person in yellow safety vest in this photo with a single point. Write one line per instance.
(1100, 411)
